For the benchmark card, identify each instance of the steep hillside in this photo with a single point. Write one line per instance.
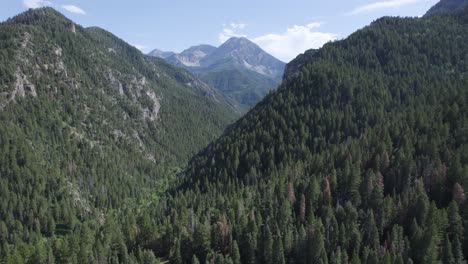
(359, 156)
(88, 124)
(295, 65)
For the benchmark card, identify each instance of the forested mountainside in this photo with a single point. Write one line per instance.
(360, 156)
(88, 124)
(296, 64)
(445, 6)
(238, 69)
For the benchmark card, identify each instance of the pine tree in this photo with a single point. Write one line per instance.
(278, 251)
(201, 241)
(313, 192)
(3, 233)
(177, 258)
(458, 193)
(455, 231)
(302, 208)
(267, 246)
(195, 260)
(447, 255)
(371, 233)
(373, 257)
(316, 247)
(236, 258)
(39, 255)
(249, 241)
(326, 191)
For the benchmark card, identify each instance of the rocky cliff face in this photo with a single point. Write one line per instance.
(192, 56)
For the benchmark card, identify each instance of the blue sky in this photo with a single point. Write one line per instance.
(282, 28)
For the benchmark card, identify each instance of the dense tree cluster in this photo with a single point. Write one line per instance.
(359, 157)
(80, 150)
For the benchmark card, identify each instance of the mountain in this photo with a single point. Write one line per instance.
(161, 54)
(242, 53)
(238, 68)
(445, 6)
(295, 65)
(192, 56)
(358, 157)
(88, 124)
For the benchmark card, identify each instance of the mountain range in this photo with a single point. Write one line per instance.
(238, 68)
(111, 156)
(161, 54)
(357, 157)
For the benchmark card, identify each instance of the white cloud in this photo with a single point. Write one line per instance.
(41, 3)
(385, 4)
(297, 39)
(140, 47)
(238, 26)
(230, 31)
(35, 3)
(74, 9)
(284, 46)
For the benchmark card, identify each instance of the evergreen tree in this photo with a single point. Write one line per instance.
(447, 255)
(278, 251)
(316, 247)
(236, 259)
(455, 231)
(371, 233)
(195, 260)
(201, 241)
(267, 246)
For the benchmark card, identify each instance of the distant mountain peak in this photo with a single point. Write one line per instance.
(243, 53)
(238, 68)
(204, 47)
(161, 54)
(199, 51)
(238, 42)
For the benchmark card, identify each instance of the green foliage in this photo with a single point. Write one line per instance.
(244, 86)
(360, 156)
(353, 159)
(100, 126)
